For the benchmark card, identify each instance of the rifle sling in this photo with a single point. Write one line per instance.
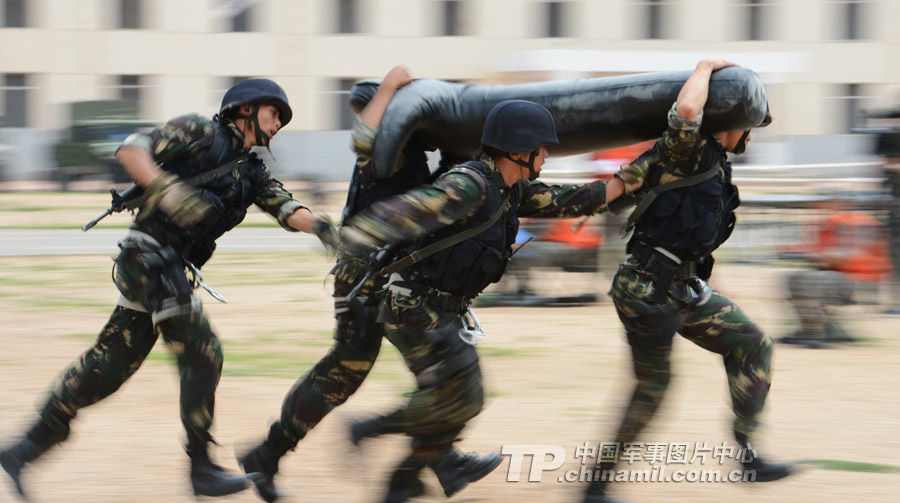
(419, 255)
(651, 194)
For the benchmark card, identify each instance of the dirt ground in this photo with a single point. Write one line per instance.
(555, 376)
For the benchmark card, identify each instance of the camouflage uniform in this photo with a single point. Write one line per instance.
(131, 331)
(415, 315)
(357, 337)
(706, 317)
(812, 293)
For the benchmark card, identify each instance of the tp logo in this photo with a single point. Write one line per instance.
(539, 461)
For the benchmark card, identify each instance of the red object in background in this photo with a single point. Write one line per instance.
(609, 161)
(855, 244)
(573, 233)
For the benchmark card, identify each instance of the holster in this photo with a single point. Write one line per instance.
(663, 269)
(357, 327)
(452, 354)
(152, 275)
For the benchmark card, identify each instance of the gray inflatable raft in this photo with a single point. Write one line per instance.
(591, 114)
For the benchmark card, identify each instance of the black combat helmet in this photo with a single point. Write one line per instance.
(519, 126)
(257, 91)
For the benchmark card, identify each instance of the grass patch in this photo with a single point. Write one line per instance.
(853, 466)
(493, 351)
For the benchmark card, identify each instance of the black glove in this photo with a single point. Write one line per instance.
(183, 203)
(327, 233)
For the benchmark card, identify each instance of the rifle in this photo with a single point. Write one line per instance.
(119, 203)
(378, 258)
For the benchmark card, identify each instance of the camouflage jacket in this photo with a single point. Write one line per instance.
(455, 196)
(182, 146)
(690, 222)
(682, 151)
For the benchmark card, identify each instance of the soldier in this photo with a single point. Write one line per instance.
(199, 178)
(476, 206)
(357, 338)
(661, 288)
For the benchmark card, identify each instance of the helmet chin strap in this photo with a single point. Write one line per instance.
(532, 174)
(741, 144)
(253, 117)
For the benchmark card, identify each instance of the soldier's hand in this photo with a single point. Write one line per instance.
(183, 203)
(632, 175)
(358, 244)
(398, 77)
(717, 64)
(326, 232)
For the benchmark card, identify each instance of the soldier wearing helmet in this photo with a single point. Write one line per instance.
(199, 178)
(661, 287)
(475, 207)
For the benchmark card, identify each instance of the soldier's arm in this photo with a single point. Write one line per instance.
(180, 137)
(278, 202)
(453, 197)
(540, 200)
(368, 121)
(680, 141)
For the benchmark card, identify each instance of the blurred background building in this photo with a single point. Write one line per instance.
(822, 60)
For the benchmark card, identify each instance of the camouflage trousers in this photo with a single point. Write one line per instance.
(813, 293)
(437, 411)
(124, 343)
(717, 325)
(357, 342)
(119, 351)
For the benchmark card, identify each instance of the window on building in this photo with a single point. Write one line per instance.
(347, 14)
(655, 16)
(344, 114)
(554, 16)
(851, 17)
(128, 87)
(14, 13)
(242, 17)
(451, 17)
(15, 100)
(129, 14)
(755, 15)
(850, 98)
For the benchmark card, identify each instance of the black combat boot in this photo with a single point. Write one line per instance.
(35, 443)
(756, 469)
(456, 470)
(208, 478)
(405, 483)
(364, 428)
(263, 460)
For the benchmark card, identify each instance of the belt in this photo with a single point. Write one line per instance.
(438, 299)
(657, 257)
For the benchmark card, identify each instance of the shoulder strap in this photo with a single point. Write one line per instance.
(651, 194)
(419, 255)
(213, 156)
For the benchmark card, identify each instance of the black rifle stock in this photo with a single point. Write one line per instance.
(119, 203)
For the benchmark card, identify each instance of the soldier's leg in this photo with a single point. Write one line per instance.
(357, 342)
(650, 328)
(449, 394)
(805, 295)
(721, 326)
(121, 347)
(199, 356)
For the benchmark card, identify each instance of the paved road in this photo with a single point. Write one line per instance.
(103, 241)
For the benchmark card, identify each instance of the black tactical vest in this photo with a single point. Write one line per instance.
(693, 221)
(230, 196)
(366, 189)
(468, 267)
